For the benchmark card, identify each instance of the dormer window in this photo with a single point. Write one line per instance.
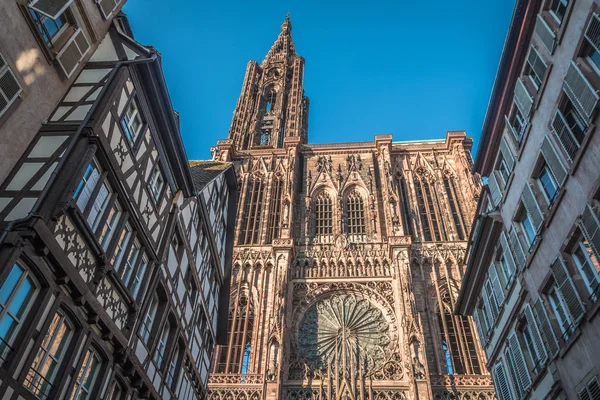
(132, 122)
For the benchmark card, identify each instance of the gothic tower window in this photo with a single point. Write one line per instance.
(355, 215)
(454, 207)
(323, 215)
(404, 210)
(456, 340)
(276, 206)
(235, 358)
(427, 214)
(270, 100)
(250, 229)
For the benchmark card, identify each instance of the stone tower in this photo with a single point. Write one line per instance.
(348, 257)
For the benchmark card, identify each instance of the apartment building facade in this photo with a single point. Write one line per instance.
(532, 281)
(114, 248)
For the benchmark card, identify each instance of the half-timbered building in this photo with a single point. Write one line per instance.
(114, 249)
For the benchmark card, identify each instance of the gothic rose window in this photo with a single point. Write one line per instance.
(250, 228)
(355, 213)
(344, 331)
(323, 215)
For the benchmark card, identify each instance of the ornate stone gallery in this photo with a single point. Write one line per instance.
(348, 257)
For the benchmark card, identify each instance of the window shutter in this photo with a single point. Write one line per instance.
(592, 33)
(536, 63)
(522, 98)
(508, 256)
(480, 330)
(73, 52)
(590, 226)
(507, 154)
(538, 344)
(553, 161)
(532, 208)
(519, 364)
(563, 132)
(495, 191)
(107, 7)
(502, 388)
(515, 244)
(492, 302)
(591, 391)
(580, 91)
(50, 8)
(496, 286)
(567, 289)
(10, 88)
(541, 318)
(546, 35)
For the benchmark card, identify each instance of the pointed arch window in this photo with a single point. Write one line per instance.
(427, 214)
(457, 340)
(270, 100)
(355, 214)
(235, 357)
(404, 204)
(250, 229)
(323, 215)
(276, 207)
(449, 185)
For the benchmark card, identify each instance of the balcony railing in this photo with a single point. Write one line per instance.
(37, 384)
(565, 135)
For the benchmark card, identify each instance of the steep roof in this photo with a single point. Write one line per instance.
(204, 171)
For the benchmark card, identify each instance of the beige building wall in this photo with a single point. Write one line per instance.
(35, 66)
(564, 360)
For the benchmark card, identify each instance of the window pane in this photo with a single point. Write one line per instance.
(10, 283)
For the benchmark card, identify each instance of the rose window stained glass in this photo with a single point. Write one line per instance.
(344, 329)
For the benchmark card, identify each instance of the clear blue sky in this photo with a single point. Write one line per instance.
(415, 69)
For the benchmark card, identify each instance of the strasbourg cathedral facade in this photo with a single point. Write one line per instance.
(348, 257)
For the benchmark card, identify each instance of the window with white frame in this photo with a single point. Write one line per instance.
(148, 321)
(157, 183)
(122, 242)
(547, 184)
(116, 392)
(535, 68)
(50, 27)
(590, 48)
(17, 293)
(559, 309)
(86, 377)
(131, 121)
(532, 340)
(161, 346)
(558, 9)
(49, 357)
(86, 186)
(588, 265)
(136, 284)
(525, 226)
(110, 225)
(172, 372)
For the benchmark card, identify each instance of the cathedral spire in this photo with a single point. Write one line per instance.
(284, 45)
